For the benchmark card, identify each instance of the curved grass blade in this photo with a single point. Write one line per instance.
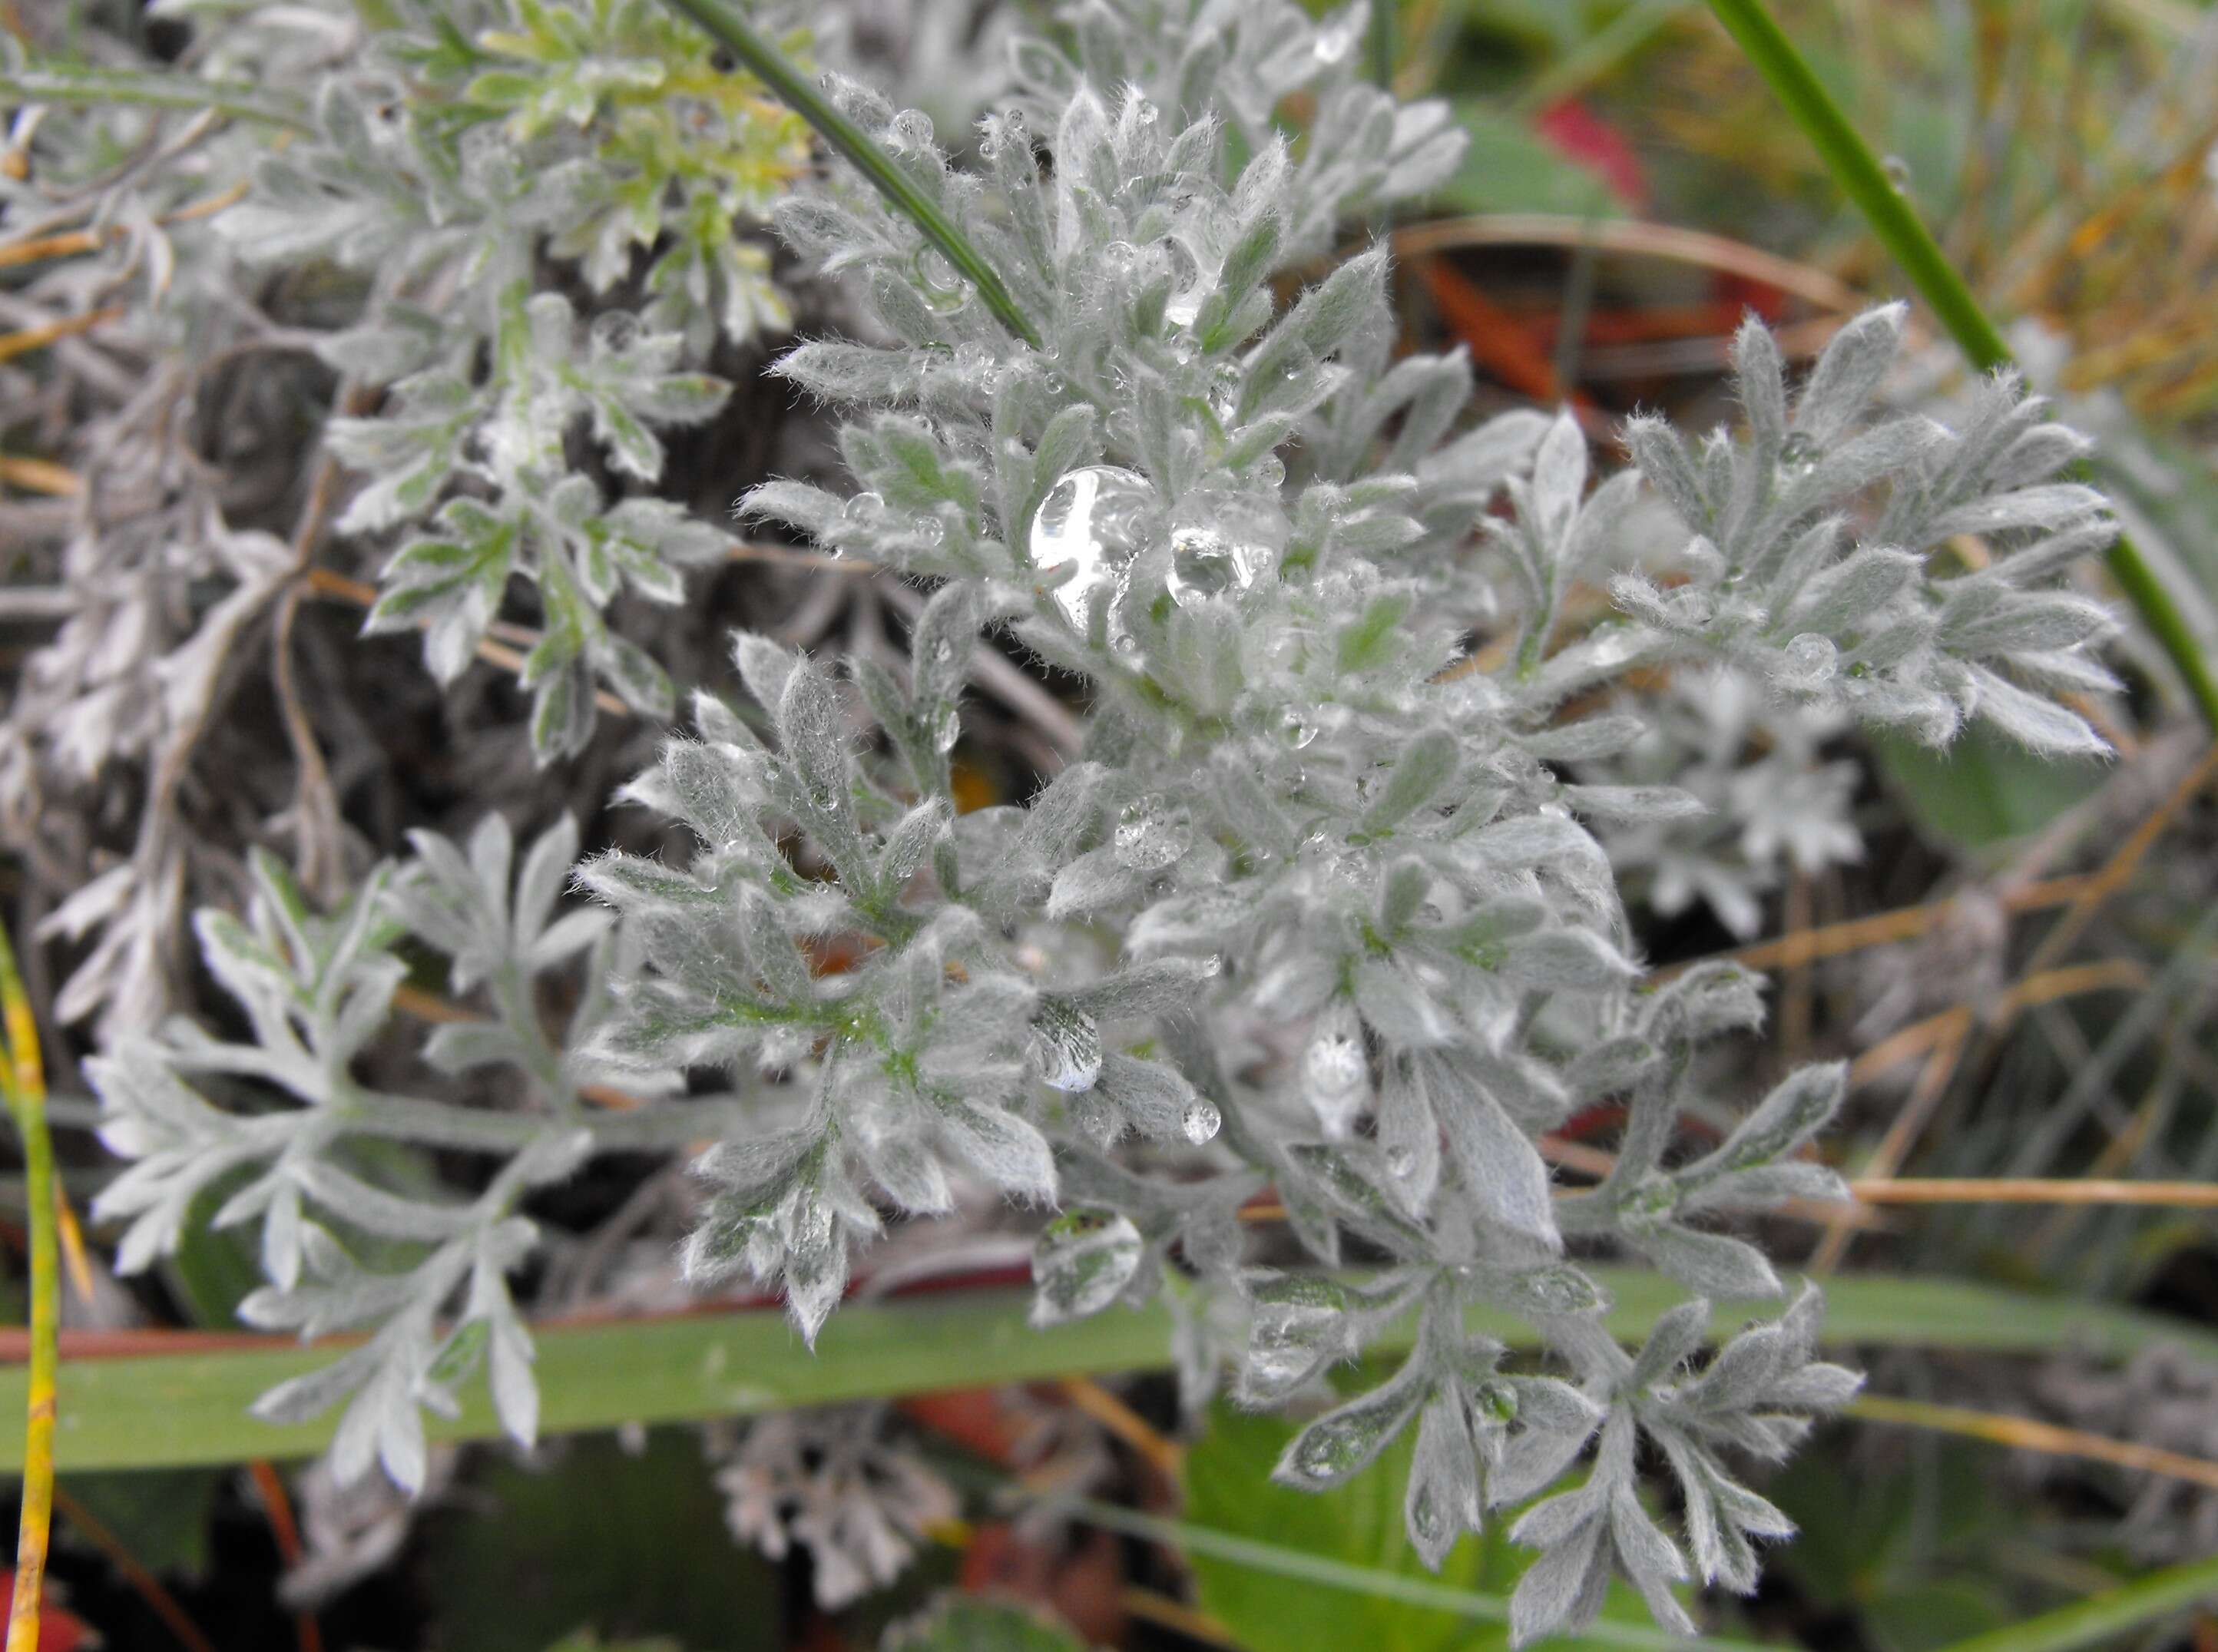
(2099, 1619)
(23, 1082)
(723, 24)
(149, 1410)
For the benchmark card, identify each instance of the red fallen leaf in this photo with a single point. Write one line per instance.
(976, 1419)
(58, 1630)
(1583, 136)
(1083, 1584)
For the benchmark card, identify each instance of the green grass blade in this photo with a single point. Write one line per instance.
(2095, 1620)
(1904, 234)
(234, 99)
(1363, 1579)
(723, 24)
(171, 1409)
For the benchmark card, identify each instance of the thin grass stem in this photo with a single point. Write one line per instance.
(724, 25)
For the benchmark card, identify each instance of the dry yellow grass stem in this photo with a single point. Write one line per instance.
(30, 338)
(1166, 1456)
(40, 476)
(2027, 1434)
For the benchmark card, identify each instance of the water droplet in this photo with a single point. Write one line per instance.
(1337, 39)
(1811, 660)
(863, 509)
(1069, 1045)
(1400, 1160)
(1149, 838)
(1222, 541)
(911, 132)
(946, 729)
(615, 332)
(1224, 388)
(1798, 455)
(1201, 565)
(1337, 1075)
(1212, 966)
(1296, 728)
(1201, 1120)
(937, 282)
(1897, 173)
(1144, 113)
(1093, 519)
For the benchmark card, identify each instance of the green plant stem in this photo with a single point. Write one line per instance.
(1903, 234)
(162, 1409)
(23, 1080)
(234, 100)
(723, 24)
(2099, 1619)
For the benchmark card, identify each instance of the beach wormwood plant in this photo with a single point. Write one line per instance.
(1321, 908)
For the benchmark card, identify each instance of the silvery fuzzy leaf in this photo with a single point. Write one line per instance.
(1158, 987)
(1154, 1098)
(1842, 597)
(1397, 1002)
(1563, 1588)
(1002, 1148)
(1209, 920)
(462, 1045)
(1711, 1264)
(1707, 999)
(1634, 805)
(1496, 1162)
(765, 666)
(1346, 1439)
(1847, 375)
(1676, 1337)
(908, 844)
(1766, 1187)
(1567, 960)
(1410, 1137)
(2036, 723)
(1609, 1067)
(515, 1392)
(1651, 1559)
(1094, 883)
(1297, 1325)
(1800, 1106)
(1442, 1501)
(1551, 1291)
(1083, 1261)
(1421, 771)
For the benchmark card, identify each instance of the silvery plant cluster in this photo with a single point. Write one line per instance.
(1325, 905)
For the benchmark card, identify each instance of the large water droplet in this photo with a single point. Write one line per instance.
(1094, 520)
(1070, 1047)
(1201, 1121)
(946, 728)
